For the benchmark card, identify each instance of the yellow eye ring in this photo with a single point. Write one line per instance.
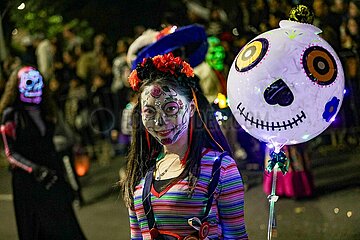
(251, 54)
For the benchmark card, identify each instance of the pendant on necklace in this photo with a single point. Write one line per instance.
(161, 175)
(166, 170)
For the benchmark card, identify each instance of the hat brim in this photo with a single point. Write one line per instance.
(192, 40)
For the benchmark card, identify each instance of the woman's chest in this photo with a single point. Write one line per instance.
(174, 201)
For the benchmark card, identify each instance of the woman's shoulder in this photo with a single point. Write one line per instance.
(210, 155)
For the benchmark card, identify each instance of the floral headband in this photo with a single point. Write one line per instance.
(165, 64)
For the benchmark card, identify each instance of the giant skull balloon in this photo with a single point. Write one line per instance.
(286, 85)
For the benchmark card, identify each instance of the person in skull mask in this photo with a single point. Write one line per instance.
(181, 180)
(42, 197)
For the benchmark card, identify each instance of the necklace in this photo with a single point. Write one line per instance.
(166, 170)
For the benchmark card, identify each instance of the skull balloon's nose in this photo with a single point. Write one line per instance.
(278, 93)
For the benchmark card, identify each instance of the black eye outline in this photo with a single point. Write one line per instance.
(253, 62)
(312, 58)
(149, 112)
(171, 104)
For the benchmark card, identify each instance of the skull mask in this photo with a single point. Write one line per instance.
(286, 85)
(30, 85)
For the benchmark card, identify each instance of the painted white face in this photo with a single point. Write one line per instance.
(165, 113)
(286, 85)
(30, 85)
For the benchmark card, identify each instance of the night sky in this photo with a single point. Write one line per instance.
(118, 17)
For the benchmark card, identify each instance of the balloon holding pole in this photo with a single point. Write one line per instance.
(277, 161)
(272, 199)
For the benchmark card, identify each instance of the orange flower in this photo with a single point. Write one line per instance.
(134, 80)
(187, 70)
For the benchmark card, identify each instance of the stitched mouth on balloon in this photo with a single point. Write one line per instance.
(271, 126)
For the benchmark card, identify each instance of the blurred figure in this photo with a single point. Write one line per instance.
(102, 117)
(45, 53)
(328, 21)
(75, 102)
(196, 13)
(350, 47)
(218, 21)
(121, 70)
(72, 40)
(42, 197)
(354, 8)
(86, 62)
(120, 87)
(274, 20)
(10, 63)
(28, 56)
(259, 14)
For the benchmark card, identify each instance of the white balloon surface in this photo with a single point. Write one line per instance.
(286, 85)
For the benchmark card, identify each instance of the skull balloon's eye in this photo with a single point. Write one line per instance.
(251, 54)
(29, 82)
(319, 65)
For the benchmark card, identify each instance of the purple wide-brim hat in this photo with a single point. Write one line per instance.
(192, 39)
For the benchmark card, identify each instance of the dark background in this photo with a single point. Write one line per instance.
(116, 18)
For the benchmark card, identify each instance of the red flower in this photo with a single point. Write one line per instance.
(134, 80)
(165, 63)
(169, 63)
(143, 62)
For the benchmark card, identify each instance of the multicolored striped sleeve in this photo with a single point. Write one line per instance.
(135, 232)
(231, 201)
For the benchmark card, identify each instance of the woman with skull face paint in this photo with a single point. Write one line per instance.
(181, 181)
(42, 198)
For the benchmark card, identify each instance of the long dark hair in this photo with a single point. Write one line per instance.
(205, 132)
(11, 98)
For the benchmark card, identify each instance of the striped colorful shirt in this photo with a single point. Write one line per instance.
(173, 207)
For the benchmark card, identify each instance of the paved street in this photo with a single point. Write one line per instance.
(333, 214)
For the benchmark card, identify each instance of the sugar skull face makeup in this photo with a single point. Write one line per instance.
(165, 113)
(30, 85)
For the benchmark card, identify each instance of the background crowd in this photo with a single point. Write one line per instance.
(88, 77)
